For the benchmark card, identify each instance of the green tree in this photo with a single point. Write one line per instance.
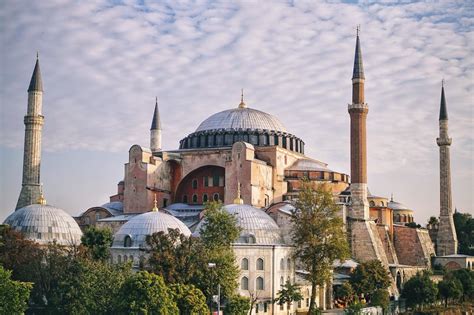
(146, 293)
(420, 290)
(288, 294)
(14, 295)
(220, 228)
(433, 220)
(450, 288)
(381, 298)
(237, 305)
(464, 223)
(98, 242)
(189, 299)
(344, 293)
(466, 277)
(369, 277)
(318, 235)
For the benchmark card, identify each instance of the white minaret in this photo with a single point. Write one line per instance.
(447, 242)
(155, 130)
(31, 187)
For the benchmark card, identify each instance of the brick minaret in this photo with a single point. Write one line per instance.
(446, 243)
(155, 130)
(358, 111)
(31, 187)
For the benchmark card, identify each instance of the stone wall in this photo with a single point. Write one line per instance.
(413, 246)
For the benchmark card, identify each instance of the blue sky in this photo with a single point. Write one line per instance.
(104, 62)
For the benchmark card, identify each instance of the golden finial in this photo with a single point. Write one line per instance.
(37, 54)
(238, 200)
(155, 204)
(358, 29)
(41, 200)
(242, 104)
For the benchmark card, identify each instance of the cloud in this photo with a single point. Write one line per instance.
(104, 62)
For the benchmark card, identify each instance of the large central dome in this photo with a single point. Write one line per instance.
(241, 118)
(241, 124)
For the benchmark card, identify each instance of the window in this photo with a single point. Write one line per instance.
(204, 198)
(119, 259)
(288, 264)
(125, 258)
(127, 242)
(244, 265)
(215, 179)
(216, 197)
(282, 264)
(165, 202)
(131, 258)
(97, 216)
(185, 199)
(259, 264)
(259, 283)
(251, 239)
(87, 220)
(282, 281)
(299, 304)
(195, 198)
(244, 283)
(206, 181)
(372, 203)
(195, 184)
(265, 307)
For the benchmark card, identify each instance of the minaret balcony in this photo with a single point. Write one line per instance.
(357, 106)
(443, 141)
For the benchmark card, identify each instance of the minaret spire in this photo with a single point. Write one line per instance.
(34, 120)
(155, 130)
(446, 243)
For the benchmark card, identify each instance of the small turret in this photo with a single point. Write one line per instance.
(155, 130)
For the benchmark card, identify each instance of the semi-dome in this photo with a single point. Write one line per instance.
(241, 118)
(258, 128)
(397, 205)
(45, 224)
(133, 233)
(257, 226)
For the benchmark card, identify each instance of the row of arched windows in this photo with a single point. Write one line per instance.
(259, 264)
(125, 258)
(205, 198)
(259, 283)
(285, 266)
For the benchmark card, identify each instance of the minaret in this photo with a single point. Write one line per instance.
(31, 187)
(155, 130)
(358, 112)
(446, 243)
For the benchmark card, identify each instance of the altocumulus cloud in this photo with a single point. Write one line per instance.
(103, 62)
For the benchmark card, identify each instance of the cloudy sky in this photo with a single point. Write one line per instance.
(103, 63)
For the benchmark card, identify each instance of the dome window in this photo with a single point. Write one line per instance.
(127, 242)
(244, 265)
(259, 284)
(259, 264)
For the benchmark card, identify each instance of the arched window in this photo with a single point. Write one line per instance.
(372, 203)
(119, 259)
(185, 199)
(251, 239)
(195, 198)
(244, 283)
(282, 264)
(259, 264)
(288, 263)
(244, 265)
(206, 181)
(216, 197)
(204, 198)
(131, 258)
(259, 284)
(382, 203)
(125, 258)
(195, 183)
(127, 242)
(282, 281)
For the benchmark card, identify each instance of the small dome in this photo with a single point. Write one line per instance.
(308, 165)
(257, 226)
(45, 224)
(241, 118)
(140, 226)
(397, 206)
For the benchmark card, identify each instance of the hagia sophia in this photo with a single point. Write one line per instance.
(249, 161)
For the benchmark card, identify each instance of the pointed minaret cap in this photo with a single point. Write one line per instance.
(155, 205)
(156, 121)
(36, 83)
(443, 112)
(238, 200)
(242, 104)
(358, 72)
